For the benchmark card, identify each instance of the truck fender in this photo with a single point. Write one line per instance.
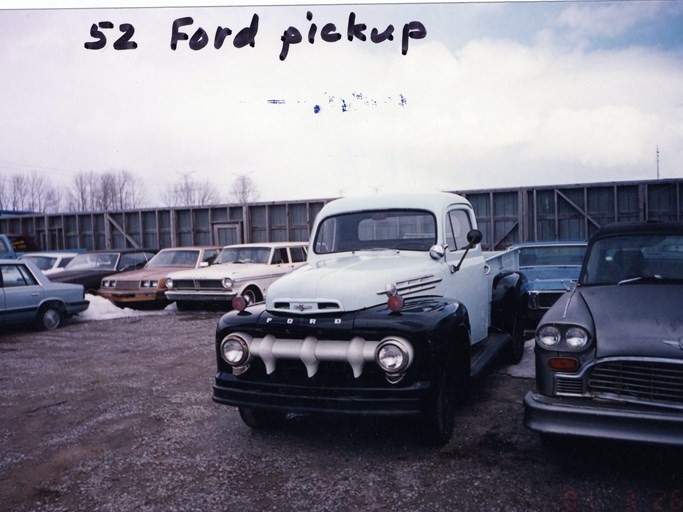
(509, 299)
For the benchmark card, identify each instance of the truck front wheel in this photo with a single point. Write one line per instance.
(439, 416)
(260, 419)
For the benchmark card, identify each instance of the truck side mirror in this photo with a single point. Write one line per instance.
(474, 237)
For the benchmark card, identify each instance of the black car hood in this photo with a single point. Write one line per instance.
(74, 275)
(636, 319)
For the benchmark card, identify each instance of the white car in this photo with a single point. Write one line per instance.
(50, 262)
(243, 270)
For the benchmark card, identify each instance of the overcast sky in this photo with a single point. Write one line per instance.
(495, 95)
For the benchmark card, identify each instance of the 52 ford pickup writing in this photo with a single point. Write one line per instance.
(395, 312)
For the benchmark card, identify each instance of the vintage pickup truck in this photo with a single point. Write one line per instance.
(395, 312)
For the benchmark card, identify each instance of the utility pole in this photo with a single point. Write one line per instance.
(658, 161)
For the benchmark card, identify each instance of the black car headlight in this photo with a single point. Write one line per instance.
(562, 337)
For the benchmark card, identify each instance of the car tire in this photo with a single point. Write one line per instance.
(261, 419)
(50, 317)
(514, 350)
(183, 305)
(252, 294)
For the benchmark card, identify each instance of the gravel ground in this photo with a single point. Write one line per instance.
(116, 415)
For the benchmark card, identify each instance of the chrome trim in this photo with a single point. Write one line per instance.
(311, 351)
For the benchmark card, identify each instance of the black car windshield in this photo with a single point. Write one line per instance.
(94, 261)
(244, 255)
(410, 230)
(174, 258)
(42, 262)
(633, 259)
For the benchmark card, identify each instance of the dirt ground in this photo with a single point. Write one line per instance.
(116, 415)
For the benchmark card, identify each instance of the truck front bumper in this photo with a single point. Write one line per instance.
(609, 420)
(394, 401)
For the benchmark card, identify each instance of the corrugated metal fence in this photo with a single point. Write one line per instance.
(505, 216)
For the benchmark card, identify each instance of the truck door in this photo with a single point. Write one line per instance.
(468, 285)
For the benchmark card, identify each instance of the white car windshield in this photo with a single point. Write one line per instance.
(635, 259)
(244, 255)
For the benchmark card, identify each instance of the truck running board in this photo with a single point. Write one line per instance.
(486, 351)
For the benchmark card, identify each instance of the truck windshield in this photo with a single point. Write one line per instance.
(635, 259)
(408, 230)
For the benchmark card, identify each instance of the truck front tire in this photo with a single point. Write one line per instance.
(261, 419)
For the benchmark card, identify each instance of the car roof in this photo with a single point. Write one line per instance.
(50, 253)
(639, 228)
(122, 251)
(191, 247)
(268, 244)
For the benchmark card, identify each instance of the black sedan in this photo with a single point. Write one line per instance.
(609, 354)
(89, 268)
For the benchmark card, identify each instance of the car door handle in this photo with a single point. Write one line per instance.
(34, 294)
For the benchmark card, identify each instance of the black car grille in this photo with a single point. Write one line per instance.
(641, 381)
(199, 283)
(547, 299)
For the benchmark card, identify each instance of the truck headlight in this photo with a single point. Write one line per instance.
(394, 355)
(227, 282)
(235, 349)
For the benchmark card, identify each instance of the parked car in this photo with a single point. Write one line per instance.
(551, 268)
(239, 270)
(609, 354)
(89, 268)
(50, 262)
(146, 288)
(27, 296)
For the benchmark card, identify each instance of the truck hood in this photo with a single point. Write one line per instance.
(356, 281)
(636, 319)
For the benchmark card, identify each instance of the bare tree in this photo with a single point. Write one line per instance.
(3, 193)
(243, 190)
(188, 192)
(111, 190)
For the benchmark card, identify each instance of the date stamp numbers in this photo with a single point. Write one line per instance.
(659, 500)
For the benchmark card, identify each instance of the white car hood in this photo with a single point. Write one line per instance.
(233, 270)
(354, 280)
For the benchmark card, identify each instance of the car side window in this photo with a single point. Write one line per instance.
(64, 262)
(210, 256)
(457, 227)
(134, 259)
(280, 256)
(298, 254)
(17, 275)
